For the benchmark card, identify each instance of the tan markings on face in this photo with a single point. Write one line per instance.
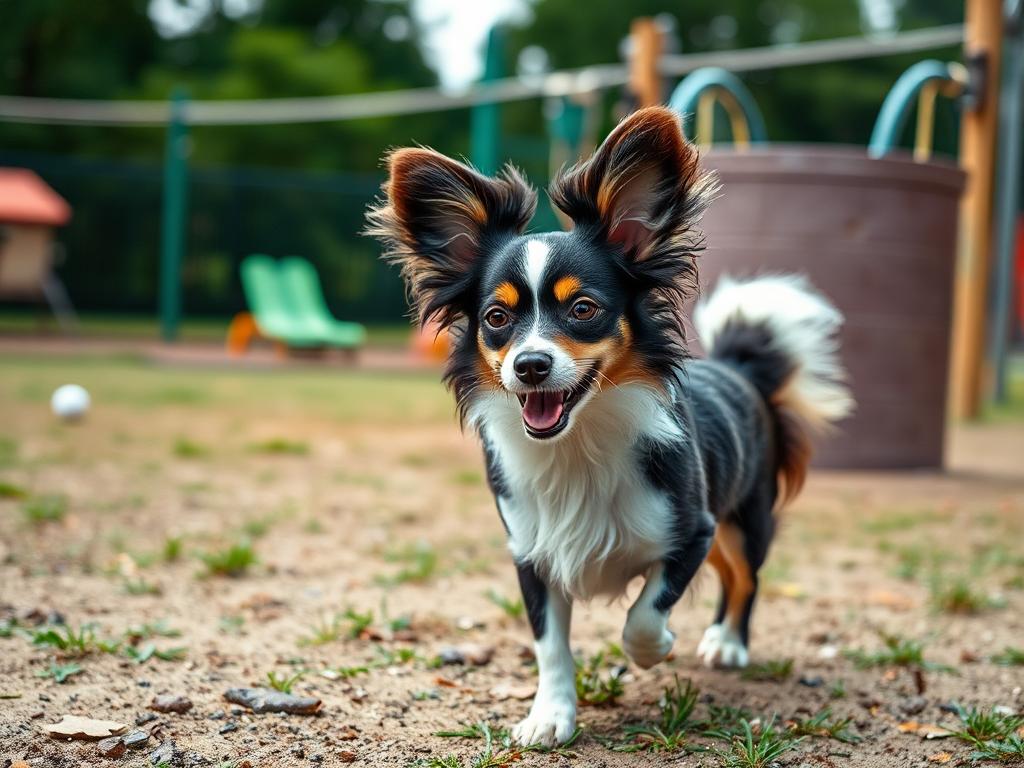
(507, 294)
(566, 286)
(490, 360)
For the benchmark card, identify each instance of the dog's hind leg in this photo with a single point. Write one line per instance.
(552, 717)
(740, 547)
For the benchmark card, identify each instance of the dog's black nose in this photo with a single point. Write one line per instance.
(532, 367)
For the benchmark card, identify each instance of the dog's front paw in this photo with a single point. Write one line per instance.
(647, 648)
(551, 722)
(721, 646)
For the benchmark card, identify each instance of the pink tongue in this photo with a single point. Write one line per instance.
(542, 410)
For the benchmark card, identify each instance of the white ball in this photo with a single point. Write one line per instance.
(70, 402)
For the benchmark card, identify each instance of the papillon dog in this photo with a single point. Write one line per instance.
(611, 453)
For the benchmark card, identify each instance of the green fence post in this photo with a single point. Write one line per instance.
(485, 123)
(175, 208)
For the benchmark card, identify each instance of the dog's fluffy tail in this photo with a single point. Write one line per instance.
(781, 334)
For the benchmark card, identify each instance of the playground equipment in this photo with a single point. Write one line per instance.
(287, 307)
(30, 211)
(876, 234)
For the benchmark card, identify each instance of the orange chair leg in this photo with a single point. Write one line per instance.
(241, 333)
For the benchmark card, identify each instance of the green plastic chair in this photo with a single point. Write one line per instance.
(275, 314)
(302, 285)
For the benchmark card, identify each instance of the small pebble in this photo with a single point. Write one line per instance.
(228, 728)
(812, 682)
(136, 739)
(171, 703)
(112, 747)
(145, 717)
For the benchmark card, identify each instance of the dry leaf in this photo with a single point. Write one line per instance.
(74, 727)
(940, 757)
(887, 599)
(519, 691)
(924, 730)
(445, 682)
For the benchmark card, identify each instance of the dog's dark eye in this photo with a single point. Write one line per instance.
(584, 310)
(496, 318)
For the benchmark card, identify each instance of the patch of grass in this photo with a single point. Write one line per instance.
(184, 448)
(670, 733)
(70, 642)
(347, 673)
(979, 726)
(421, 565)
(313, 526)
(46, 508)
(514, 609)
(724, 721)
(960, 597)
(59, 672)
(468, 477)
(358, 622)
(757, 751)
(144, 631)
(894, 521)
(172, 549)
(231, 561)
(838, 690)
(141, 586)
(393, 657)
(822, 725)
(258, 527)
(326, 630)
(498, 751)
(12, 491)
(231, 625)
(284, 683)
(280, 446)
(1010, 751)
(897, 652)
(143, 653)
(773, 671)
(595, 683)
(1009, 657)
(8, 451)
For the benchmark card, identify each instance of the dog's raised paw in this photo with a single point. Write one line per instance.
(721, 646)
(647, 649)
(549, 724)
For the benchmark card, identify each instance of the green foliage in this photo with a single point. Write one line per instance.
(172, 549)
(498, 752)
(147, 651)
(822, 725)
(59, 672)
(1009, 751)
(12, 491)
(358, 622)
(669, 733)
(184, 448)
(232, 561)
(47, 508)
(421, 565)
(959, 596)
(773, 671)
(1009, 657)
(284, 683)
(757, 751)
(71, 642)
(978, 726)
(326, 630)
(596, 684)
(281, 446)
(347, 673)
(514, 609)
(147, 630)
(897, 652)
(141, 586)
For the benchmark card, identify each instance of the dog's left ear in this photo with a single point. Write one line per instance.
(642, 190)
(435, 219)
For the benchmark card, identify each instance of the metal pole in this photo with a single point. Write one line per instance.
(485, 122)
(984, 37)
(1008, 204)
(175, 209)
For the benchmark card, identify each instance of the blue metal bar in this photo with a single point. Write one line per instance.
(687, 94)
(485, 120)
(892, 117)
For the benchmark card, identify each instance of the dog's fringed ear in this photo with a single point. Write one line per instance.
(643, 190)
(433, 220)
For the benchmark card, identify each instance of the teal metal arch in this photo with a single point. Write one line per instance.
(686, 97)
(892, 117)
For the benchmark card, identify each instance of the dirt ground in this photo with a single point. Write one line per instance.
(357, 493)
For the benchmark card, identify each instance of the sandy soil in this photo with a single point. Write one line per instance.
(391, 516)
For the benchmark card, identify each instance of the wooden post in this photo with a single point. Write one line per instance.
(978, 131)
(645, 51)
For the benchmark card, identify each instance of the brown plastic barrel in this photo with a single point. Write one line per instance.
(878, 236)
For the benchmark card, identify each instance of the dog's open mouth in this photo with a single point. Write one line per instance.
(546, 413)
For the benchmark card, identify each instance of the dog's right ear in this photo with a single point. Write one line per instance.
(434, 220)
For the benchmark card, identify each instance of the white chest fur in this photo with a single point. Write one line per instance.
(580, 508)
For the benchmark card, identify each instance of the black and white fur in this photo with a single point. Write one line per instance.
(610, 452)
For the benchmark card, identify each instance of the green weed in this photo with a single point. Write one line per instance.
(959, 596)
(70, 642)
(897, 652)
(595, 684)
(59, 672)
(281, 446)
(823, 726)
(979, 726)
(514, 609)
(184, 448)
(149, 651)
(669, 734)
(47, 508)
(12, 491)
(421, 565)
(284, 683)
(1009, 657)
(232, 561)
(773, 671)
(760, 751)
